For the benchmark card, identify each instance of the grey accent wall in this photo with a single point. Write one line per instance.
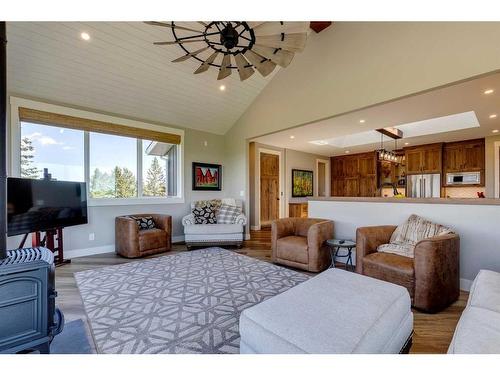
(101, 219)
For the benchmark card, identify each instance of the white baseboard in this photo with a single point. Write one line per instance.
(70, 254)
(76, 253)
(465, 284)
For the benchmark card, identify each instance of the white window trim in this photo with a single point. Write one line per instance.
(15, 127)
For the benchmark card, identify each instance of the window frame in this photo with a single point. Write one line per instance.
(15, 154)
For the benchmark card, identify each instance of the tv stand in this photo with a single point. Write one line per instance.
(52, 240)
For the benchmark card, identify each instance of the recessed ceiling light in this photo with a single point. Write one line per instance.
(347, 151)
(319, 143)
(222, 88)
(494, 115)
(495, 131)
(292, 137)
(407, 143)
(85, 36)
(362, 121)
(489, 91)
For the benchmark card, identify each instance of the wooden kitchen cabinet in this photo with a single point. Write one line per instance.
(354, 175)
(424, 159)
(297, 210)
(466, 156)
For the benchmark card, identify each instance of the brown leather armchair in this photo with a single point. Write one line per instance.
(431, 277)
(300, 243)
(130, 242)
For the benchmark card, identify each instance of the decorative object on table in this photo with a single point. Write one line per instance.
(207, 176)
(222, 233)
(335, 248)
(302, 183)
(145, 222)
(131, 241)
(419, 255)
(301, 243)
(204, 215)
(240, 45)
(184, 303)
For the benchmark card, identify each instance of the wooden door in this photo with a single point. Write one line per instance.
(351, 188)
(269, 188)
(413, 161)
(367, 165)
(432, 160)
(473, 159)
(351, 168)
(453, 158)
(338, 187)
(368, 186)
(337, 168)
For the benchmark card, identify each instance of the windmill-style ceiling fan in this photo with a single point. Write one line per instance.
(239, 45)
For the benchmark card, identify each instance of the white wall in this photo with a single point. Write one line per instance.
(351, 65)
(477, 226)
(101, 219)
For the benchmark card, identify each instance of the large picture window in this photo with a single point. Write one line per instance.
(113, 166)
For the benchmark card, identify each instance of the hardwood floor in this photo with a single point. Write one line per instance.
(433, 332)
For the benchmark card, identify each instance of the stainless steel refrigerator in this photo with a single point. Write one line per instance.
(423, 186)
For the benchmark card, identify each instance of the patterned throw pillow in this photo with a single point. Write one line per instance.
(227, 214)
(204, 215)
(145, 222)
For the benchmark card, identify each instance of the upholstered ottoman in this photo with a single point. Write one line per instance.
(334, 312)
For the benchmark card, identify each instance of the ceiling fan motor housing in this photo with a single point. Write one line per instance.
(229, 36)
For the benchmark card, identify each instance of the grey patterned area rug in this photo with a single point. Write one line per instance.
(183, 303)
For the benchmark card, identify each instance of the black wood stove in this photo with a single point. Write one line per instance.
(29, 319)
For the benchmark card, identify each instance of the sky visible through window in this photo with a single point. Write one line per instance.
(59, 150)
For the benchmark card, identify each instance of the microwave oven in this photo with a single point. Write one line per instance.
(463, 178)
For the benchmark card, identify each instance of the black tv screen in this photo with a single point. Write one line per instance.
(40, 205)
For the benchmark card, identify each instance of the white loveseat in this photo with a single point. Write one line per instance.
(478, 330)
(214, 234)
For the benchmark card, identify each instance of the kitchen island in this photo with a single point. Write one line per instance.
(477, 221)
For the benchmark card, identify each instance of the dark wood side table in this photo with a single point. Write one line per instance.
(336, 246)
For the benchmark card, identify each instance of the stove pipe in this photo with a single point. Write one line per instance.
(3, 141)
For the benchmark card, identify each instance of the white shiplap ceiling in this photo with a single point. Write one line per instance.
(120, 71)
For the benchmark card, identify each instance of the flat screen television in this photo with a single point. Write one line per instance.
(40, 205)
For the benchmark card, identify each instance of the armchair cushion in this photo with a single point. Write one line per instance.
(407, 235)
(293, 248)
(415, 229)
(393, 268)
(152, 239)
(144, 222)
(227, 214)
(204, 215)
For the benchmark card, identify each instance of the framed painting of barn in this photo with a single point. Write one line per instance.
(207, 176)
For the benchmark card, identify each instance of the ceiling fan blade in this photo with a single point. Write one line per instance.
(189, 55)
(164, 24)
(278, 56)
(206, 64)
(244, 68)
(290, 42)
(272, 28)
(263, 65)
(225, 70)
(253, 24)
(178, 42)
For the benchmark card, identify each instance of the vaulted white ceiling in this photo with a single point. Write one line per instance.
(119, 70)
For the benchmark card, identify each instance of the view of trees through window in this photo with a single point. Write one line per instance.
(113, 161)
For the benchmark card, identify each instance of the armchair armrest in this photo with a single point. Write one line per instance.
(188, 220)
(317, 235)
(368, 239)
(241, 219)
(437, 267)
(126, 236)
(163, 222)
